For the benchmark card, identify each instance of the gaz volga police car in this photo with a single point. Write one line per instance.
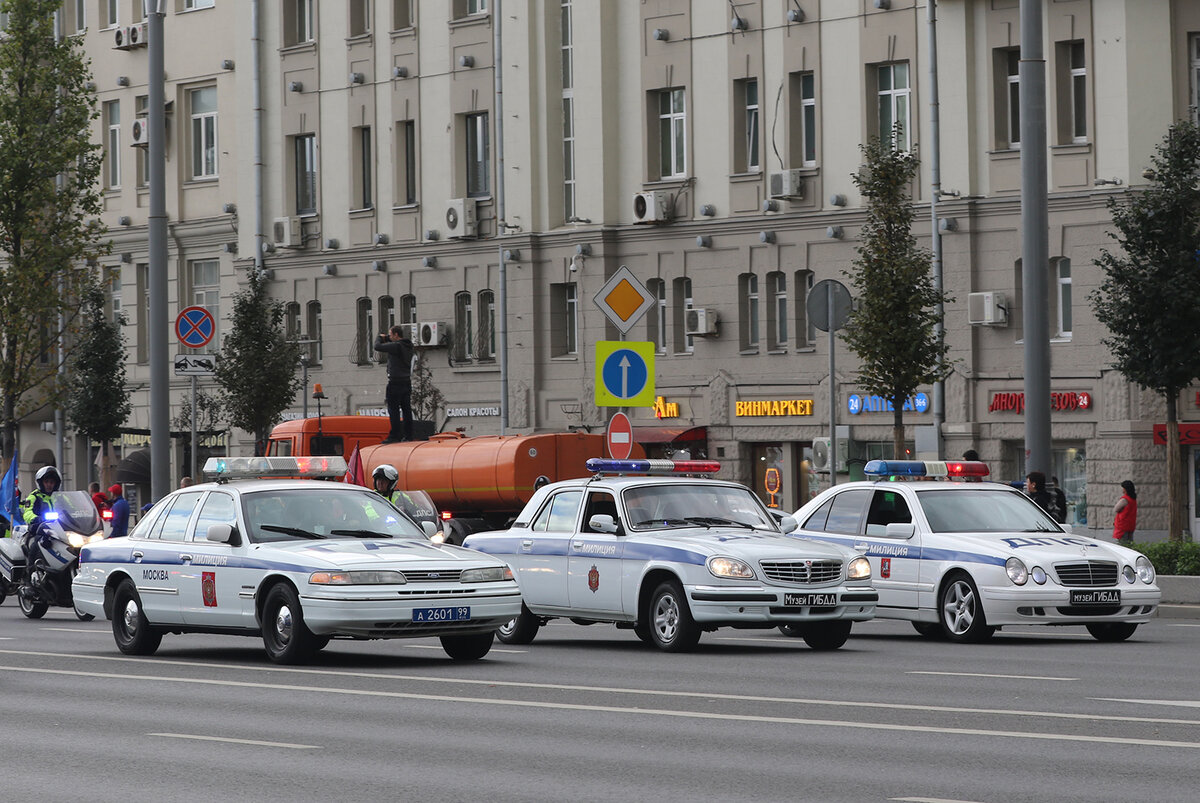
(962, 559)
(670, 557)
(296, 561)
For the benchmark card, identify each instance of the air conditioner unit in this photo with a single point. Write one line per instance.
(652, 206)
(121, 38)
(286, 233)
(986, 309)
(786, 184)
(430, 333)
(822, 454)
(461, 218)
(138, 35)
(139, 132)
(699, 322)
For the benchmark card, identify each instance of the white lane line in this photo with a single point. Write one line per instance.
(1183, 625)
(439, 648)
(1123, 741)
(930, 800)
(984, 675)
(104, 632)
(762, 640)
(255, 742)
(516, 684)
(1180, 703)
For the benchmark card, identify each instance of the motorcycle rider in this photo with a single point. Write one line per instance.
(384, 478)
(36, 504)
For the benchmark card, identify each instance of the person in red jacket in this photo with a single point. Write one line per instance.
(1125, 514)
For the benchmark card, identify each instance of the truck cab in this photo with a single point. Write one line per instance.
(330, 435)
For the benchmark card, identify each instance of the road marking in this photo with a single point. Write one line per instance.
(439, 648)
(1180, 703)
(104, 632)
(1182, 625)
(930, 800)
(984, 675)
(1122, 741)
(944, 709)
(236, 741)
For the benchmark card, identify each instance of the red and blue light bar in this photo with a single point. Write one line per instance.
(926, 468)
(603, 465)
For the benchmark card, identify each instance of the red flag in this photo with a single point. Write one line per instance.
(354, 469)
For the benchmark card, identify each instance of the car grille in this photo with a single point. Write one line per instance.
(802, 572)
(432, 575)
(1088, 573)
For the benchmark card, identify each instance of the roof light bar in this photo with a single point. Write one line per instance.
(926, 468)
(231, 468)
(601, 465)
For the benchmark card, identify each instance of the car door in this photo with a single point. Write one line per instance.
(594, 564)
(210, 594)
(895, 558)
(541, 555)
(160, 569)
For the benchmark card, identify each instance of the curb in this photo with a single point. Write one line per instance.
(1173, 611)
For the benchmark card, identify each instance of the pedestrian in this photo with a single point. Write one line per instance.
(1035, 488)
(399, 350)
(120, 511)
(1125, 514)
(98, 498)
(1060, 499)
(185, 482)
(970, 454)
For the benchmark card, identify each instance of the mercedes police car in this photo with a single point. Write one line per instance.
(672, 556)
(965, 558)
(296, 561)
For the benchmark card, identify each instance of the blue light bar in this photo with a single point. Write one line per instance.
(602, 465)
(926, 468)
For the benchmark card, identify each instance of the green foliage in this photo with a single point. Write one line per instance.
(208, 413)
(98, 403)
(256, 369)
(1172, 557)
(426, 398)
(892, 330)
(49, 204)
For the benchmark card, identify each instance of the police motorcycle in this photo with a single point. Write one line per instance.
(39, 561)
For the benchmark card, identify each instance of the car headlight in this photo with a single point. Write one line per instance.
(1145, 569)
(1038, 574)
(1128, 574)
(1016, 571)
(488, 574)
(75, 540)
(369, 578)
(730, 567)
(859, 569)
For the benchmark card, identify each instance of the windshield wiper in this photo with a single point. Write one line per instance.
(296, 531)
(360, 533)
(709, 520)
(1039, 529)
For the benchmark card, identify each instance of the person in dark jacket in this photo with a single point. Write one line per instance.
(399, 350)
(1035, 488)
(120, 511)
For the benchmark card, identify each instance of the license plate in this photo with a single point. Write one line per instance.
(809, 599)
(457, 614)
(1108, 596)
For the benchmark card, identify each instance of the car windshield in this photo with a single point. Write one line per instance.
(983, 510)
(654, 507)
(318, 513)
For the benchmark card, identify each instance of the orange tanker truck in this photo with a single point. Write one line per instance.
(476, 483)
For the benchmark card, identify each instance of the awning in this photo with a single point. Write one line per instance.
(669, 434)
(135, 467)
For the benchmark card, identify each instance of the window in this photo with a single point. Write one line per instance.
(803, 144)
(1194, 74)
(745, 94)
(387, 317)
(114, 296)
(205, 275)
(218, 508)
(141, 107)
(684, 343)
(406, 162)
(143, 312)
(364, 333)
(1007, 64)
(80, 9)
(894, 96)
(564, 322)
(1062, 296)
(408, 309)
(203, 105)
(360, 17)
(672, 133)
(487, 325)
(464, 326)
(656, 319)
(298, 22)
(1072, 104)
(568, 109)
(777, 320)
(306, 174)
(748, 292)
(315, 352)
(467, 8)
(191, 5)
(291, 320)
(560, 514)
(364, 168)
(175, 522)
(109, 10)
(806, 333)
(112, 144)
(402, 14)
(478, 155)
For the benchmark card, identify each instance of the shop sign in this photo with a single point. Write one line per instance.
(1059, 401)
(878, 404)
(378, 412)
(665, 409)
(133, 439)
(473, 411)
(773, 407)
(1189, 434)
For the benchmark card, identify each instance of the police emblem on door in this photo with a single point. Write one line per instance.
(208, 589)
(594, 578)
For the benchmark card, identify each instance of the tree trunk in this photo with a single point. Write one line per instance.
(898, 428)
(1175, 495)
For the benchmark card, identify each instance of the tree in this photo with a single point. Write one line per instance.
(1151, 290)
(256, 369)
(98, 403)
(892, 332)
(49, 205)
(426, 398)
(208, 413)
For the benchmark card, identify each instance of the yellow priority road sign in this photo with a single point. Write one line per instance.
(624, 374)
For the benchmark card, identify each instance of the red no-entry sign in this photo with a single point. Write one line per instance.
(619, 437)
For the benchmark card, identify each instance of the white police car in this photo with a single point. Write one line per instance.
(964, 558)
(671, 557)
(294, 560)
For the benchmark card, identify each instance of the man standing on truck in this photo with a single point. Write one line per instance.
(399, 350)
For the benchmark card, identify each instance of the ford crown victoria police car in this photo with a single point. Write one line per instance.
(670, 557)
(296, 561)
(966, 558)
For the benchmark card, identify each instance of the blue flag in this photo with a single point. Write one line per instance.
(8, 502)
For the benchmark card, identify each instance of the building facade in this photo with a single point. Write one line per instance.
(706, 146)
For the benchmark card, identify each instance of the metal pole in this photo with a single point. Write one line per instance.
(192, 464)
(502, 300)
(1035, 248)
(832, 390)
(935, 182)
(160, 430)
(256, 87)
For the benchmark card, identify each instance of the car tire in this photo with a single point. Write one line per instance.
(930, 630)
(672, 628)
(642, 631)
(31, 609)
(1111, 631)
(83, 617)
(792, 631)
(825, 636)
(467, 648)
(132, 632)
(285, 636)
(521, 629)
(961, 611)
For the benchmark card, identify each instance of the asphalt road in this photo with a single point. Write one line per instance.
(589, 713)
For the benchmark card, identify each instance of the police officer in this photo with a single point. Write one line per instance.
(34, 506)
(384, 478)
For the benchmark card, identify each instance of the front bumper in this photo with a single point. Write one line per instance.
(732, 605)
(1051, 605)
(331, 614)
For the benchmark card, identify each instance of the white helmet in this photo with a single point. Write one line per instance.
(44, 473)
(387, 473)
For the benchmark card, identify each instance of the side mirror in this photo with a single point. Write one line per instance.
(788, 523)
(223, 534)
(603, 523)
(898, 530)
(430, 528)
